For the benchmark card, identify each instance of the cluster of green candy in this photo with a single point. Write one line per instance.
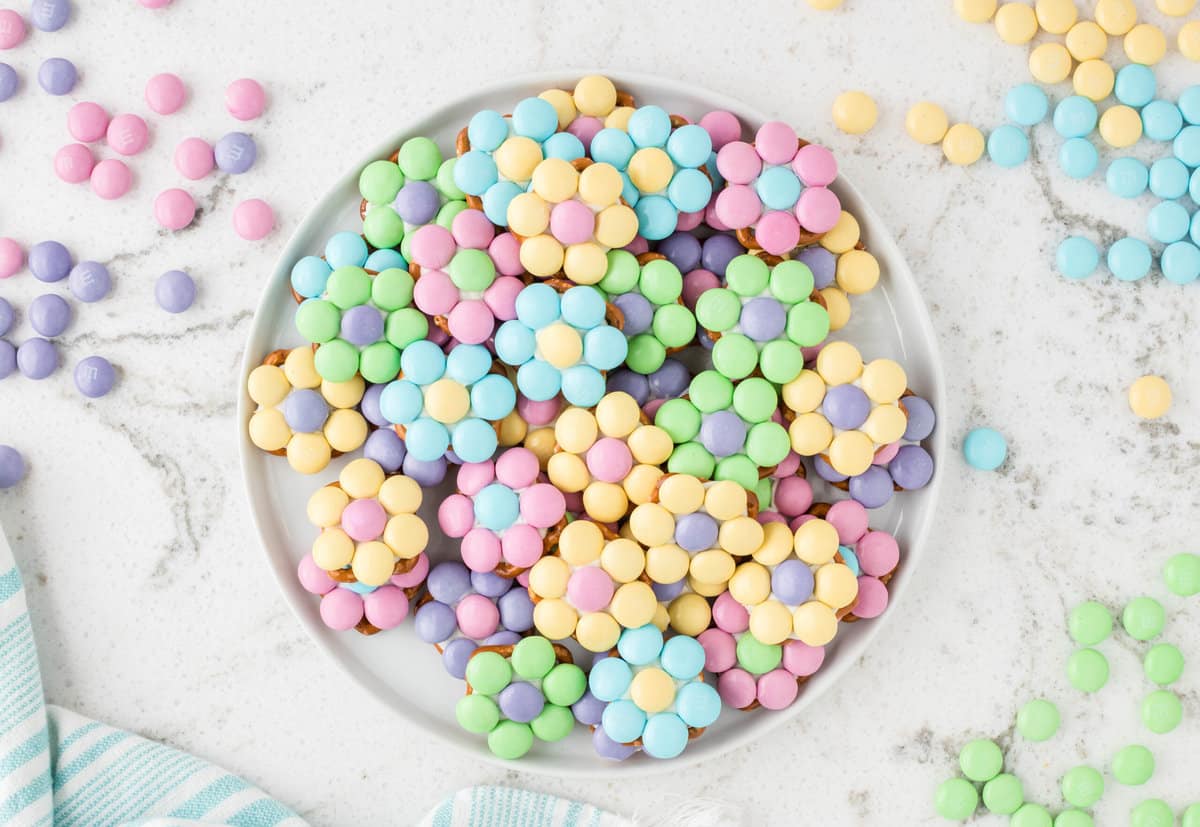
(418, 159)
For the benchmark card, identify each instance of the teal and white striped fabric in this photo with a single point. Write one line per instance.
(509, 807)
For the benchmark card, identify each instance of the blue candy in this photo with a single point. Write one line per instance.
(1127, 177)
(1180, 262)
(1078, 157)
(623, 721)
(649, 126)
(475, 172)
(657, 217)
(689, 146)
(628, 191)
(487, 130)
(497, 506)
(1026, 104)
(423, 362)
(467, 364)
(1077, 257)
(778, 188)
(309, 276)
(582, 385)
(985, 449)
(682, 657)
(535, 118)
(1194, 186)
(640, 646)
(583, 307)
(345, 249)
(665, 736)
(698, 704)
(537, 306)
(609, 679)
(605, 348)
(1169, 178)
(1161, 120)
(1135, 85)
(474, 440)
(563, 145)
(426, 439)
(539, 380)
(1075, 117)
(1187, 146)
(400, 402)
(495, 202)
(1129, 259)
(1189, 104)
(1008, 146)
(612, 146)
(493, 397)
(689, 190)
(515, 343)
(1168, 221)
(385, 259)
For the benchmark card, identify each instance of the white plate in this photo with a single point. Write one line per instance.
(407, 674)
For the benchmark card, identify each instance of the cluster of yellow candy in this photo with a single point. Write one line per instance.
(927, 123)
(857, 270)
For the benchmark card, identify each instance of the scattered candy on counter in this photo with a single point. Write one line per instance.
(855, 112)
(985, 449)
(12, 466)
(175, 291)
(1150, 397)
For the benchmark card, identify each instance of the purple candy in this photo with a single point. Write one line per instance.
(723, 433)
(449, 582)
(670, 381)
(588, 709)
(490, 584)
(49, 15)
(792, 582)
(369, 406)
(49, 314)
(822, 263)
(638, 312)
(516, 610)
(872, 488)
(501, 639)
(912, 467)
(175, 291)
(305, 411)
(681, 249)
(455, 655)
(826, 471)
(435, 622)
(12, 466)
(763, 319)
(426, 473)
(94, 376)
(8, 359)
(666, 592)
(362, 325)
(695, 532)
(37, 358)
(235, 153)
(57, 76)
(89, 281)
(608, 748)
(624, 380)
(521, 702)
(921, 418)
(49, 261)
(718, 251)
(417, 202)
(846, 406)
(6, 316)
(385, 447)
(9, 81)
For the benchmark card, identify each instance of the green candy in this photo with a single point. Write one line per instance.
(1038, 720)
(956, 799)
(1087, 670)
(646, 354)
(758, 658)
(693, 459)
(781, 362)
(1161, 711)
(445, 181)
(807, 324)
(764, 491)
(981, 760)
(533, 658)
(674, 325)
(446, 215)
(488, 672)
(1082, 786)
(405, 326)
(680, 419)
(747, 275)
(1182, 574)
(1143, 618)
(1152, 812)
(380, 181)
(1133, 765)
(336, 360)
(565, 684)
(472, 270)
(767, 444)
(710, 392)
(510, 740)
(735, 355)
(383, 227)
(621, 276)
(477, 713)
(392, 289)
(1003, 794)
(419, 158)
(406, 246)
(1031, 815)
(755, 399)
(718, 309)
(661, 282)
(739, 468)
(318, 320)
(553, 723)
(348, 287)
(379, 363)
(1073, 818)
(1089, 623)
(1163, 664)
(1190, 817)
(791, 282)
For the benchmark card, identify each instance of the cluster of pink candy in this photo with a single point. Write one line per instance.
(344, 606)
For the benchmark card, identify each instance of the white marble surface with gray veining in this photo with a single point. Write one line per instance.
(152, 603)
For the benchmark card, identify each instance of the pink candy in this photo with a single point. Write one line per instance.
(793, 496)
(818, 210)
(456, 515)
(433, 246)
(481, 550)
(585, 128)
(73, 163)
(878, 553)
(538, 413)
(802, 660)
(723, 127)
(87, 121)
(777, 232)
(739, 163)
(174, 209)
(815, 166)
(194, 158)
(472, 229)
(872, 598)
(414, 576)
(738, 206)
(477, 616)
(886, 454)
(111, 179)
(572, 222)
(12, 258)
(12, 29)
(127, 134)
(505, 252)
(245, 99)
(590, 589)
(386, 607)
(501, 297)
(720, 650)
(850, 519)
(609, 460)
(341, 609)
(165, 93)
(777, 689)
(695, 283)
(737, 688)
(313, 578)
(542, 505)
(689, 221)
(776, 142)
(155, 4)
(729, 615)
(364, 520)
(253, 219)
(517, 468)
(522, 545)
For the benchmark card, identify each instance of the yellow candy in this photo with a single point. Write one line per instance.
(301, 369)
(1050, 63)
(595, 95)
(963, 144)
(400, 495)
(805, 392)
(1094, 79)
(975, 11)
(541, 255)
(816, 542)
(885, 424)
(750, 584)
(650, 445)
(1056, 16)
(652, 525)
(605, 501)
(844, 235)
(1086, 41)
(555, 180)
(662, 618)
(618, 414)
(811, 434)
(770, 622)
(883, 380)
(1150, 397)
(690, 614)
(563, 103)
(777, 544)
(600, 185)
(619, 118)
(824, 5)
(1116, 16)
(623, 559)
(713, 567)
(851, 453)
(1189, 40)
(1121, 126)
(373, 563)
(406, 535)
(667, 563)
(681, 494)
(837, 306)
(517, 157)
(333, 549)
(528, 214)
(597, 631)
(554, 618)
(725, 500)
(541, 442)
(345, 430)
(652, 690)
(1176, 8)
(857, 271)
(650, 169)
(1016, 23)
(268, 385)
(548, 578)
(616, 226)
(855, 112)
(581, 543)
(308, 453)
(1146, 44)
(447, 401)
(325, 506)
(344, 394)
(814, 623)
(269, 430)
(559, 344)
(639, 485)
(839, 363)
(633, 604)
(835, 585)
(576, 430)
(513, 430)
(585, 263)
(361, 478)
(568, 472)
(741, 536)
(926, 122)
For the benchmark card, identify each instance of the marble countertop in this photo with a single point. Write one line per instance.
(152, 603)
